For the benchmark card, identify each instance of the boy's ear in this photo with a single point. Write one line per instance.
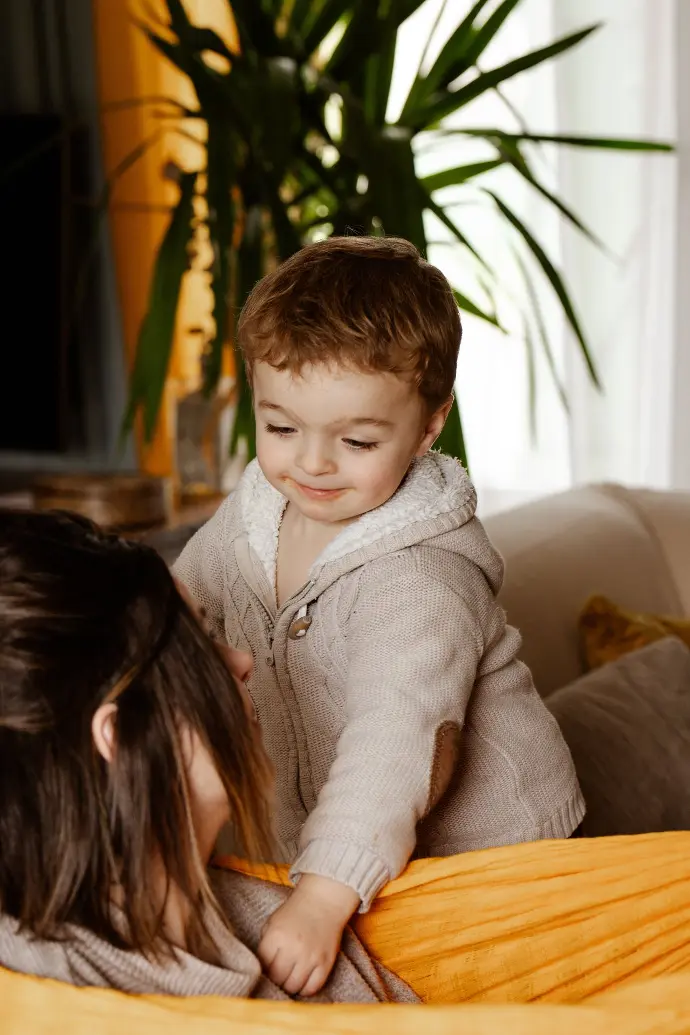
(434, 426)
(103, 730)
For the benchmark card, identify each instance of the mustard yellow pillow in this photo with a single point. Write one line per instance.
(608, 631)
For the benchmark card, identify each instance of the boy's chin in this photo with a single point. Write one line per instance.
(327, 512)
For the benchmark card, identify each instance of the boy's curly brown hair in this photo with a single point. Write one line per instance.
(367, 303)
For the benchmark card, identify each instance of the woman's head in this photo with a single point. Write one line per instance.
(121, 728)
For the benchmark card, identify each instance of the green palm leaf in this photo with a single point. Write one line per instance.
(194, 38)
(394, 190)
(483, 36)
(385, 157)
(460, 174)
(449, 64)
(250, 269)
(530, 351)
(449, 101)
(497, 136)
(255, 28)
(512, 154)
(100, 210)
(221, 172)
(156, 336)
(378, 73)
(466, 305)
(541, 330)
(324, 17)
(457, 233)
(178, 110)
(174, 52)
(366, 34)
(299, 15)
(556, 281)
(452, 439)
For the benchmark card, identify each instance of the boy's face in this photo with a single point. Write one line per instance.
(337, 442)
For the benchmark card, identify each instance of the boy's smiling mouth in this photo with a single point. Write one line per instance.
(313, 493)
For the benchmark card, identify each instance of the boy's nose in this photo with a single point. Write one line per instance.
(314, 460)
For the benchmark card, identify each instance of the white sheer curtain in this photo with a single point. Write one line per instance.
(619, 82)
(622, 82)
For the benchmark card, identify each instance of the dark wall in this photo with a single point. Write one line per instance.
(62, 383)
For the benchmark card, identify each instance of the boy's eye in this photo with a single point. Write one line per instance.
(274, 429)
(353, 443)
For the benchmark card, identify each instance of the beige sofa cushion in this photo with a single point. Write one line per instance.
(627, 725)
(667, 518)
(559, 552)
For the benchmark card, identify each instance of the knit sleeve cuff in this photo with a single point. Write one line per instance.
(357, 867)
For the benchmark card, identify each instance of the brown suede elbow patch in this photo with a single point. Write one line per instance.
(444, 762)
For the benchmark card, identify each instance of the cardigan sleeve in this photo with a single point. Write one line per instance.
(201, 567)
(414, 647)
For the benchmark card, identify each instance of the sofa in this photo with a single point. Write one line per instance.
(632, 545)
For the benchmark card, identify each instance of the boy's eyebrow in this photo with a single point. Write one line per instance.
(264, 404)
(374, 422)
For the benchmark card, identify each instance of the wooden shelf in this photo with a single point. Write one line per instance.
(169, 539)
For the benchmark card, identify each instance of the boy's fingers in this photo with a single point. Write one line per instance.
(281, 969)
(315, 982)
(296, 980)
(267, 951)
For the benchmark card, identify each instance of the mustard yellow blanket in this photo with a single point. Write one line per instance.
(560, 936)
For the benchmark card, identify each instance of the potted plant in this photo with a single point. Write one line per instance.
(297, 144)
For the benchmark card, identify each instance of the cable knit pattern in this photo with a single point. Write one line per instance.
(406, 641)
(82, 958)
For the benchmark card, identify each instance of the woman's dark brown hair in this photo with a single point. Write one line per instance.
(85, 617)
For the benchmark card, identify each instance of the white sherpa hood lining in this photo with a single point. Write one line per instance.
(435, 485)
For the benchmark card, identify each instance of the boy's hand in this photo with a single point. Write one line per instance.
(301, 940)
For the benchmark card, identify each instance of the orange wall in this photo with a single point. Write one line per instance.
(129, 67)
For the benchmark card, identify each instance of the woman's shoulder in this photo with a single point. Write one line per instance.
(82, 958)
(25, 954)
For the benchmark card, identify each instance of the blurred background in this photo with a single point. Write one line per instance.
(157, 157)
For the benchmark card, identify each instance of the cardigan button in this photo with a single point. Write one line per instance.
(299, 627)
